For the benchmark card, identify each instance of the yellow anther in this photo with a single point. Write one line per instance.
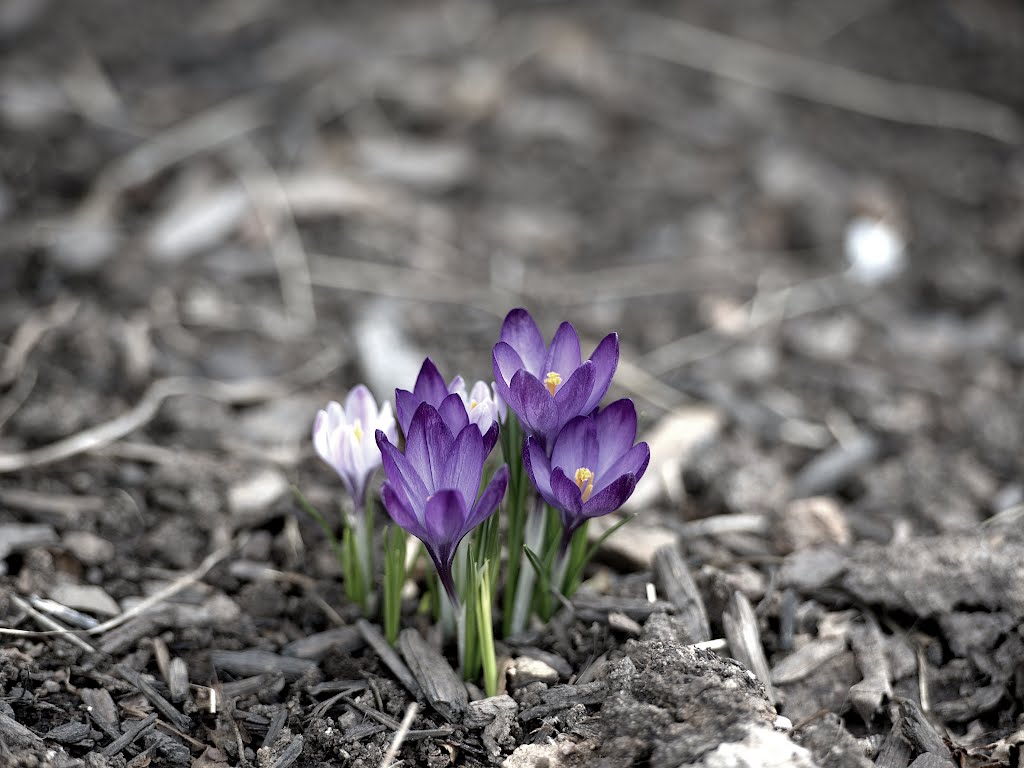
(584, 477)
(551, 381)
(357, 430)
(473, 404)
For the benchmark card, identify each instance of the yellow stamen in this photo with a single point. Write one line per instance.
(357, 430)
(585, 477)
(473, 404)
(551, 381)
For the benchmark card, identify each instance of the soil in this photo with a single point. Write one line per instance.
(216, 217)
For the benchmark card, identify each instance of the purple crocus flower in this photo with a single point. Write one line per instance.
(431, 489)
(547, 386)
(450, 401)
(343, 437)
(593, 467)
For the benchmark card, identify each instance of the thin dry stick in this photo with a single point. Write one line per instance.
(30, 332)
(400, 734)
(759, 65)
(270, 201)
(814, 295)
(54, 627)
(107, 432)
(170, 590)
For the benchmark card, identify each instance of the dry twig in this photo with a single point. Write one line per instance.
(755, 64)
(399, 737)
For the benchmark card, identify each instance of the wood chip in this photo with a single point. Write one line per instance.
(482, 712)
(827, 471)
(14, 734)
(919, 732)
(801, 663)
(17, 537)
(180, 721)
(441, 685)
(250, 663)
(592, 607)
(677, 585)
(100, 705)
(895, 752)
(69, 733)
(744, 638)
(387, 655)
(177, 679)
(316, 646)
(873, 661)
(561, 697)
(132, 732)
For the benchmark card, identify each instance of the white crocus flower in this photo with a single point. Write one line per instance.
(345, 438)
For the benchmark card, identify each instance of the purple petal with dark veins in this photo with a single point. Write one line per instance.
(428, 445)
(616, 432)
(490, 438)
(611, 498)
(453, 413)
(538, 467)
(400, 512)
(566, 493)
(537, 408)
(489, 499)
(406, 404)
(606, 360)
(576, 446)
(430, 386)
(506, 361)
(632, 462)
(573, 394)
(401, 474)
(564, 356)
(521, 332)
(465, 464)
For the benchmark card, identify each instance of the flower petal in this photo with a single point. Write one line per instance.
(430, 386)
(564, 356)
(406, 404)
(490, 438)
(398, 510)
(465, 464)
(446, 517)
(616, 431)
(428, 446)
(632, 462)
(402, 474)
(537, 408)
(360, 406)
(606, 360)
(567, 494)
(521, 332)
(506, 362)
(538, 467)
(571, 398)
(489, 499)
(611, 498)
(576, 446)
(453, 413)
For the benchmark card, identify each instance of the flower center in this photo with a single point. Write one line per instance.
(473, 404)
(357, 430)
(585, 482)
(551, 381)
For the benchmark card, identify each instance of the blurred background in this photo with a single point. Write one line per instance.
(805, 218)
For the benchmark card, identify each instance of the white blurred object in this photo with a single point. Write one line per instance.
(387, 357)
(875, 250)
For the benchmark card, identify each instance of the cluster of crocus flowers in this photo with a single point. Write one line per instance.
(568, 461)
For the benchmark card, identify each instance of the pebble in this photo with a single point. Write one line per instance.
(813, 522)
(88, 548)
(525, 670)
(250, 499)
(83, 597)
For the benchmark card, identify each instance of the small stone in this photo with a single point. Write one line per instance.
(251, 499)
(83, 597)
(525, 670)
(88, 548)
(811, 523)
